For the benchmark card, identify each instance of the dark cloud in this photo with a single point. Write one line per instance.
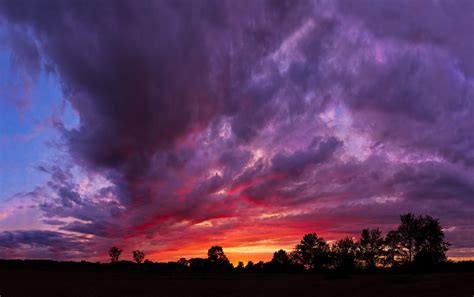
(153, 72)
(434, 181)
(300, 160)
(421, 81)
(41, 244)
(63, 200)
(441, 24)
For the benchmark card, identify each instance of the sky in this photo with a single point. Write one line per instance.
(172, 126)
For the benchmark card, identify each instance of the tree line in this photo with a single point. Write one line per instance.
(418, 241)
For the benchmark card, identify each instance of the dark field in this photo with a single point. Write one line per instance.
(21, 282)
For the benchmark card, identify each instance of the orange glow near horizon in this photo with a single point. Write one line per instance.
(249, 242)
(239, 254)
(234, 257)
(234, 250)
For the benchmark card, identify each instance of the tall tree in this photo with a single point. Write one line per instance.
(114, 254)
(312, 252)
(370, 249)
(391, 250)
(408, 233)
(343, 254)
(431, 245)
(416, 237)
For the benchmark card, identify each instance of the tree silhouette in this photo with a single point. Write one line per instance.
(408, 233)
(390, 251)
(114, 254)
(418, 237)
(258, 266)
(197, 264)
(371, 245)
(138, 256)
(249, 266)
(240, 266)
(344, 254)
(183, 262)
(217, 258)
(431, 244)
(281, 257)
(216, 254)
(312, 252)
(280, 262)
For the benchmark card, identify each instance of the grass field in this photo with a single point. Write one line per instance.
(21, 282)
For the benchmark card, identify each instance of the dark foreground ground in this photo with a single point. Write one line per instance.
(22, 282)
